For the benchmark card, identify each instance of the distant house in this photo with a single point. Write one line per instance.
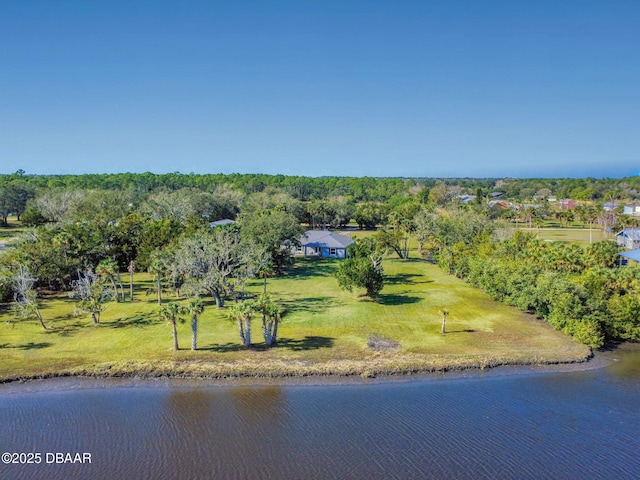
(609, 206)
(633, 210)
(497, 194)
(567, 204)
(323, 243)
(629, 238)
(219, 223)
(466, 198)
(631, 254)
(502, 204)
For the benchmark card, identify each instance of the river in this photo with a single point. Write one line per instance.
(501, 424)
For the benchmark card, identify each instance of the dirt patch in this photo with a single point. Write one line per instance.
(380, 344)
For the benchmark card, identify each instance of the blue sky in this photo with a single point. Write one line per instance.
(384, 88)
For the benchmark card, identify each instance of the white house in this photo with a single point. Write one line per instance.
(629, 238)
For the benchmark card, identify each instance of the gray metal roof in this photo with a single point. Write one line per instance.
(325, 238)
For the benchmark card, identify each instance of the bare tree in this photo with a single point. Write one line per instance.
(25, 296)
(92, 294)
(55, 205)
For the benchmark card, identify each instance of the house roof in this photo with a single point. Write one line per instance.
(219, 223)
(633, 233)
(325, 238)
(632, 254)
(466, 198)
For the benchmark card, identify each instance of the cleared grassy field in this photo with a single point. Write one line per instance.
(580, 236)
(8, 233)
(326, 331)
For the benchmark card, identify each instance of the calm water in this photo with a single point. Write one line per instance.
(497, 426)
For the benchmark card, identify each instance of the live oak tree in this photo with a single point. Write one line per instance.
(362, 268)
(219, 260)
(276, 231)
(13, 200)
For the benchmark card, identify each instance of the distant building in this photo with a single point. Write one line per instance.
(323, 243)
(219, 223)
(633, 210)
(466, 198)
(609, 206)
(567, 204)
(502, 204)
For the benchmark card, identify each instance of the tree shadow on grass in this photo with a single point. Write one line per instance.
(28, 346)
(397, 299)
(405, 279)
(309, 304)
(223, 348)
(139, 320)
(67, 329)
(312, 267)
(307, 343)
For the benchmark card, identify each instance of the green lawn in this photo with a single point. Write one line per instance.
(8, 233)
(580, 236)
(324, 332)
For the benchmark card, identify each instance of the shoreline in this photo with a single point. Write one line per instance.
(328, 373)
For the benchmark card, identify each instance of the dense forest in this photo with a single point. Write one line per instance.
(92, 230)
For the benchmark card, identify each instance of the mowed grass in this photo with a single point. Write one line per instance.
(9, 233)
(325, 331)
(580, 236)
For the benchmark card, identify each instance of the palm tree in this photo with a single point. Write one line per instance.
(131, 268)
(194, 308)
(171, 312)
(108, 268)
(271, 316)
(242, 313)
(157, 269)
(444, 312)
